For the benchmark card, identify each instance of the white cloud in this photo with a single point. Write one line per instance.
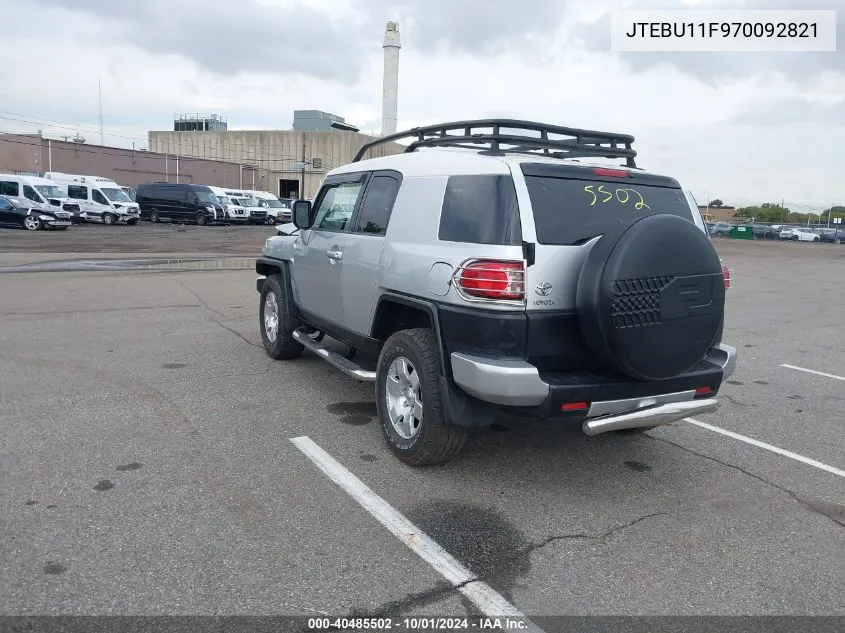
(709, 131)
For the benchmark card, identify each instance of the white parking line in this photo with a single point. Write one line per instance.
(769, 447)
(482, 595)
(813, 371)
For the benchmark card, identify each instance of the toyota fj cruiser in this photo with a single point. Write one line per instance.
(502, 264)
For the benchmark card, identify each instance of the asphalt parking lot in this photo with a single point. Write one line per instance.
(148, 467)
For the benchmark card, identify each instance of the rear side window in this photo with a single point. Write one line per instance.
(572, 211)
(8, 188)
(377, 205)
(480, 210)
(77, 193)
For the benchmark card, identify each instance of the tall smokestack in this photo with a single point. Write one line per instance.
(390, 94)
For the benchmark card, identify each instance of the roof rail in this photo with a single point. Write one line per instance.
(488, 133)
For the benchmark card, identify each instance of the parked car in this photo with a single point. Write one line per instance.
(801, 235)
(22, 212)
(764, 232)
(460, 297)
(179, 203)
(129, 191)
(721, 228)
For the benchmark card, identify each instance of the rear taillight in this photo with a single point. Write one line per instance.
(492, 279)
(726, 273)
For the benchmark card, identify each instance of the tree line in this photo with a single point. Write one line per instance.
(773, 213)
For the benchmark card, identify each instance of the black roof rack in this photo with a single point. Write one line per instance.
(489, 134)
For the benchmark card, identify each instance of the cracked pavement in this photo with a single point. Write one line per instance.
(147, 469)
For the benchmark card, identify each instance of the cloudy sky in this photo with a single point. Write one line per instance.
(745, 128)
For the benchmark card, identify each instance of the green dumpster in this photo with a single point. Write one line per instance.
(742, 233)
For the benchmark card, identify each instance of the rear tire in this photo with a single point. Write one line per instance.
(154, 216)
(409, 402)
(278, 341)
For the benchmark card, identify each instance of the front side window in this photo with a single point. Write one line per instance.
(77, 192)
(30, 194)
(336, 206)
(99, 198)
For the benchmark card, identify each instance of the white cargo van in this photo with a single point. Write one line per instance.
(42, 192)
(101, 198)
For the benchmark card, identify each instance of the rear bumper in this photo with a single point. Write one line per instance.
(589, 396)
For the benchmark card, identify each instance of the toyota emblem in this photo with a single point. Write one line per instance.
(544, 288)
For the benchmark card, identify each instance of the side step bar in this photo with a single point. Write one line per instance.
(343, 364)
(651, 416)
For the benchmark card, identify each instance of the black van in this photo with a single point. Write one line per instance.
(179, 203)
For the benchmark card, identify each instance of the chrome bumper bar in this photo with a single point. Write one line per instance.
(651, 416)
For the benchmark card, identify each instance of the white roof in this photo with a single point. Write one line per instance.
(32, 180)
(451, 161)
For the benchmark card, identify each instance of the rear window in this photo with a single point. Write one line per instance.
(480, 210)
(574, 210)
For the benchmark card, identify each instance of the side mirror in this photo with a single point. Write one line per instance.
(303, 214)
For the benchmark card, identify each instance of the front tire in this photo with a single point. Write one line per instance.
(31, 223)
(109, 218)
(132, 222)
(278, 341)
(200, 219)
(271, 221)
(409, 402)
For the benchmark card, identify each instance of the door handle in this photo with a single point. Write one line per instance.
(333, 254)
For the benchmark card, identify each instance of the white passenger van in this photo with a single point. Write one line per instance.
(278, 211)
(101, 198)
(235, 211)
(45, 193)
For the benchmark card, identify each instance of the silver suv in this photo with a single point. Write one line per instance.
(502, 265)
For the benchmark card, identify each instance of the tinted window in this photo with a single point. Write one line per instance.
(377, 205)
(337, 203)
(570, 211)
(77, 192)
(8, 188)
(99, 198)
(480, 210)
(29, 193)
(4, 204)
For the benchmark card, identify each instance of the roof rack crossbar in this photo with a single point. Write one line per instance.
(580, 142)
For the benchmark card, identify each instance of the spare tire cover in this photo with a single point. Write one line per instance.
(651, 297)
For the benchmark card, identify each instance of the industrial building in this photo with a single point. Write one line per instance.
(34, 154)
(318, 141)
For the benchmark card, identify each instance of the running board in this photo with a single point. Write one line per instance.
(343, 364)
(651, 416)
